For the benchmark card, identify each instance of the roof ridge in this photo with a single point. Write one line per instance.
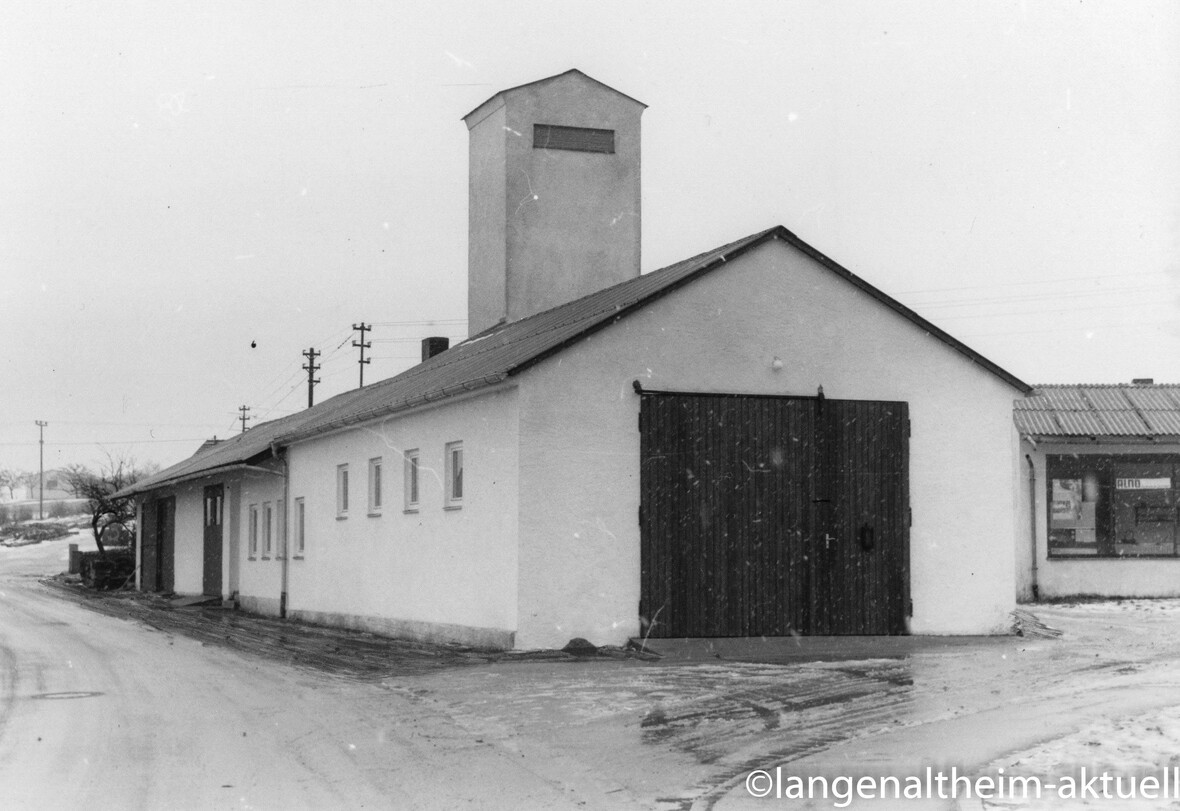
(1106, 385)
(492, 331)
(578, 71)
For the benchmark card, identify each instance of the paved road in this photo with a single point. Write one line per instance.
(101, 712)
(97, 712)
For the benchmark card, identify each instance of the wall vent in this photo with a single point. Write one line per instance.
(577, 139)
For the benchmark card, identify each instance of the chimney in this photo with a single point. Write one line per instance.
(1143, 381)
(554, 197)
(434, 346)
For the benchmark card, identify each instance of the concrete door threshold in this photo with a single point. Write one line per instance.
(792, 649)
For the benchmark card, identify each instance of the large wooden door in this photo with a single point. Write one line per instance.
(149, 553)
(214, 498)
(158, 545)
(166, 547)
(764, 516)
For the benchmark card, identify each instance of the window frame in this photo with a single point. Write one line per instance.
(412, 480)
(280, 529)
(375, 486)
(1103, 470)
(342, 491)
(453, 499)
(268, 526)
(252, 532)
(300, 527)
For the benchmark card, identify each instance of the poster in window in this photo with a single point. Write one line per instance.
(1065, 510)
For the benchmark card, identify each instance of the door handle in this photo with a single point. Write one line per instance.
(828, 540)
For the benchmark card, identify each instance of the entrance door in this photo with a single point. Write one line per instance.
(773, 515)
(165, 551)
(149, 550)
(214, 498)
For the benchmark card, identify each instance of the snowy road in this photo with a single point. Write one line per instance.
(97, 712)
(100, 712)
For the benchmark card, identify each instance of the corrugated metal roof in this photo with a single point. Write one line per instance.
(1154, 398)
(506, 349)
(1122, 410)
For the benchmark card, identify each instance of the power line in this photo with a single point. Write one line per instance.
(1038, 281)
(98, 442)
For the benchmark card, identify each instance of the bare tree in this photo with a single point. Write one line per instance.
(99, 490)
(74, 474)
(11, 479)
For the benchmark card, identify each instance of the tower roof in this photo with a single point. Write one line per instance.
(546, 80)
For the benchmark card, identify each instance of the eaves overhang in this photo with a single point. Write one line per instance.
(164, 484)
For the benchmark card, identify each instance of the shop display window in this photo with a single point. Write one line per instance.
(1112, 506)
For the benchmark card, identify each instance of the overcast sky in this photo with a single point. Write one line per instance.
(193, 193)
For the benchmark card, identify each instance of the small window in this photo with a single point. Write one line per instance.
(267, 529)
(299, 536)
(253, 530)
(412, 480)
(213, 510)
(281, 527)
(342, 491)
(577, 139)
(375, 486)
(454, 465)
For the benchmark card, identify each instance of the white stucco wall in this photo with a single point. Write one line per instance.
(435, 573)
(1111, 577)
(259, 576)
(190, 538)
(579, 457)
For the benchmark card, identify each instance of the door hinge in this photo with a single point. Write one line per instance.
(907, 429)
(909, 610)
(909, 516)
(640, 511)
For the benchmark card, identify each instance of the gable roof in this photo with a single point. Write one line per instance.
(1081, 411)
(547, 79)
(507, 349)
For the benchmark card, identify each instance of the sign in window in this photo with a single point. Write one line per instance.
(1104, 505)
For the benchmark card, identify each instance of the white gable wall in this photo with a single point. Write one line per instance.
(437, 574)
(579, 485)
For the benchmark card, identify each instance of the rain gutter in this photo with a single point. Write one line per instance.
(283, 580)
(1032, 521)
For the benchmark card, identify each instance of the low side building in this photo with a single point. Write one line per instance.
(1100, 495)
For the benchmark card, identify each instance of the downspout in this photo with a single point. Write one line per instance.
(1032, 523)
(274, 451)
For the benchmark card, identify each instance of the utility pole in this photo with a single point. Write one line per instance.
(362, 328)
(41, 476)
(311, 368)
(244, 418)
